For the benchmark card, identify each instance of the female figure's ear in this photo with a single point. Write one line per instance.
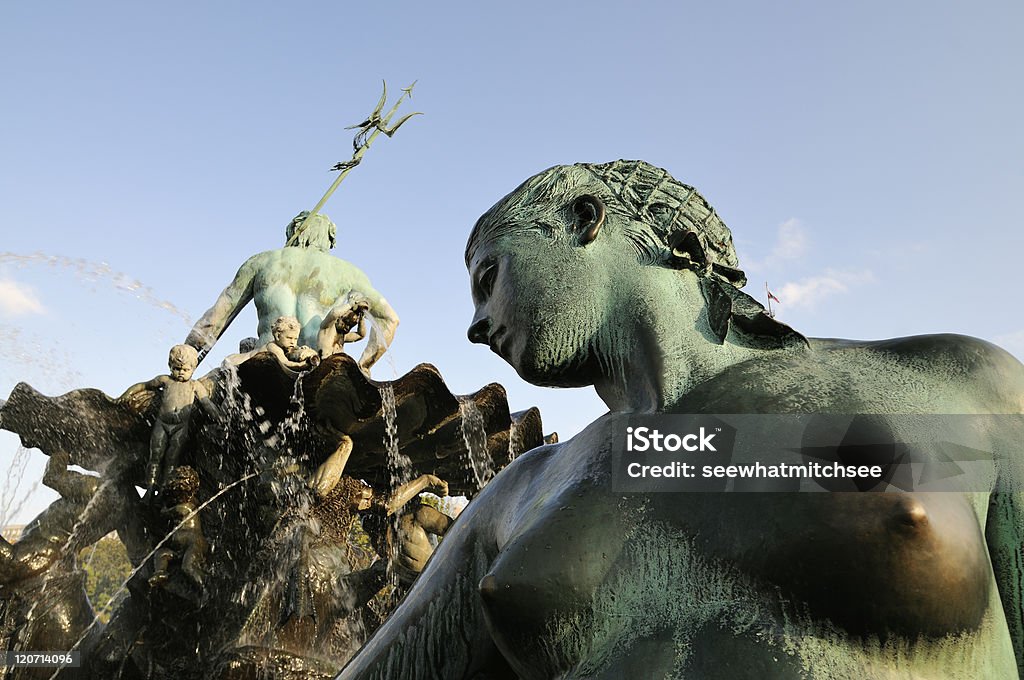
(588, 215)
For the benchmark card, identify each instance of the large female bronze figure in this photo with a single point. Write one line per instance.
(617, 275)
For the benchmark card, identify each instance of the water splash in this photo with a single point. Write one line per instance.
(53, 366)
(47, 360)
(266, 592)
(96, 271)
(15, 475)
(252, 430)
(52, 363)
(236, 406)
(145, 560)
(474, 436)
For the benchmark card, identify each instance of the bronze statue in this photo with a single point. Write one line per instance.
(550, 574)
(244, 568)
(281, 589)
(178, 393)
(49, 537)
(405, 543)
(186, 541)
(284, 347)
(279, 283)
(337, 327)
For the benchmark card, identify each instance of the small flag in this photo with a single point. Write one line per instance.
(772, 297)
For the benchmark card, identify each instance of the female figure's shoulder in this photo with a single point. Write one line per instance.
(945, 373)
(983, 373)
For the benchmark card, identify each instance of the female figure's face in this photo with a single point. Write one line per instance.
(538, 306)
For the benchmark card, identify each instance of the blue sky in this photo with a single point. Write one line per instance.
(869, 158)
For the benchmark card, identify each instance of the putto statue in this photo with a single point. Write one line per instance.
(279, 283)
(177, 394)
(337, 328)
(186, 542)
(550, 574)
(285, 346)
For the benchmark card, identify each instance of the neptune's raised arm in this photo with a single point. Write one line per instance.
(217, 318)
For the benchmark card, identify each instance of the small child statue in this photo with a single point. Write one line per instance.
(336, 328)
(178, 393)
(180, 501)
(410, 549)
(285, 346)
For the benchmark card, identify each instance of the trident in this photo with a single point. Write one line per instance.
(368, 131)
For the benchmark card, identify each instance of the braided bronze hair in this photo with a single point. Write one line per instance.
(668, 224)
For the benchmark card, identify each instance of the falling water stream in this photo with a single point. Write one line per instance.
(297, 528)
(515, 445)
(400, 472)
(399, 464)
(474, 435)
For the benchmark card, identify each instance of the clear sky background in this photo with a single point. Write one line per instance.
(868, 156)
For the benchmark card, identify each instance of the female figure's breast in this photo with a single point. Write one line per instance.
(872, 563)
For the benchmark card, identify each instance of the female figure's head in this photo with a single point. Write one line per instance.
(584, 264)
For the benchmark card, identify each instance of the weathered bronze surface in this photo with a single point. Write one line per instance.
(551, 574)
(242, 566)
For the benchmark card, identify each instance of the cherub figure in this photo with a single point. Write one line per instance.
(336, 328)
(285, 347)
(178, 394)
(411, 548)
(187, 541)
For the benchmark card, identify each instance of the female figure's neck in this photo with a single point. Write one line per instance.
(661, 345)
